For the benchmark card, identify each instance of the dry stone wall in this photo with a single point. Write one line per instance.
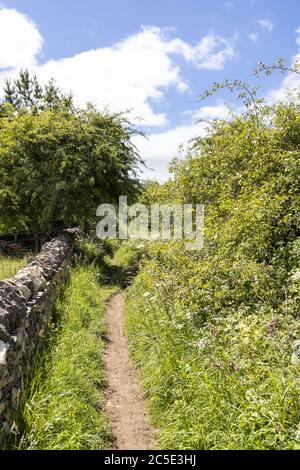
(26, 308)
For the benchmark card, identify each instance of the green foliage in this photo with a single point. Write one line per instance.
(26, 92)
(63, 411)
(126, 261)
(58, 164)
(92, 253)
(228, 384)
(254, 105)
(214, 331)
(129, 254)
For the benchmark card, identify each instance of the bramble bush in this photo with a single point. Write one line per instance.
(216, 332)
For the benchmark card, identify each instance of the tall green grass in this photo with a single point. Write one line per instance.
(63, 410)
(9, 265)
(231, 384)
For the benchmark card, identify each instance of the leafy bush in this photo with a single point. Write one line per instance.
(129, 255)
(91, 252)
(58, 162)
(127, 259)
(215, 332)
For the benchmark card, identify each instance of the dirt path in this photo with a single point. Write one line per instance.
(124, 402)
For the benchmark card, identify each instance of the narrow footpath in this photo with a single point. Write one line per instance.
(124, 403)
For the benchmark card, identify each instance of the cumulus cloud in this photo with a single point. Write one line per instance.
(159, 148)
(210, 53)
(265, 24)
(132, 74)
(135, 71)
(126, 76)
(20, 40)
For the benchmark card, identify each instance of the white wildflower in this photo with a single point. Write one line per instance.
(201, 344)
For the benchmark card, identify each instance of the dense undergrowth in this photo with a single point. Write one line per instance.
(63, 409)
(216, 333)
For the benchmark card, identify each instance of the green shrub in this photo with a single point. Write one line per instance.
(129, 255)
(230, 384)
(214, 332)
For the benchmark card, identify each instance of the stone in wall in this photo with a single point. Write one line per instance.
(26, 307)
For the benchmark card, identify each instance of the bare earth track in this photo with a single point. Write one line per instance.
(124, 402)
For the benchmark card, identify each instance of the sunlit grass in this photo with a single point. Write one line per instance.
(233, 386)
(63, 410)
(9, 265)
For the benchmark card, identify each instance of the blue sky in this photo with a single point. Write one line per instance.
(152, 57)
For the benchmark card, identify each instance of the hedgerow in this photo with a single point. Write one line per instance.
(216, 332)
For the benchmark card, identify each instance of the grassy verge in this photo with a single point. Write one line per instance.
(230, 384)
(63, 410)
(10, 265)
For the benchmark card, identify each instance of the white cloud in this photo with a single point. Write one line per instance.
(207, 113)
(125, 76)
(253, 37)
(290, 82)
(139, 69)
(20, 40)
(210, 53)
(182, 87)
(132, 74)
(265, 24)
(160, 148)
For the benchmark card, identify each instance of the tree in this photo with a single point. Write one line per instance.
(26, 92)
(58, 164)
